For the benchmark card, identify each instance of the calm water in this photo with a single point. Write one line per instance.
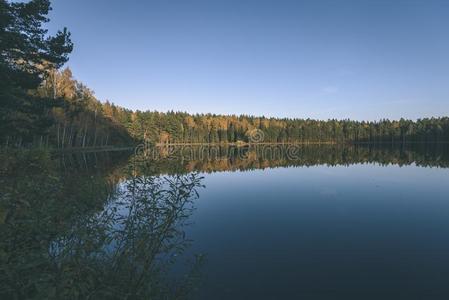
(318, 222)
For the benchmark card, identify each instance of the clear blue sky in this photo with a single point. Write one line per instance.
(319, 59)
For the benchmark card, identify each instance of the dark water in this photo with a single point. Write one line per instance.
(315, 222)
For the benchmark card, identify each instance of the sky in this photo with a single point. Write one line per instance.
(322, 59)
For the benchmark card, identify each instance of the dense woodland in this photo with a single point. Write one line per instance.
(178, 127)
(39, 105)
(43, 106)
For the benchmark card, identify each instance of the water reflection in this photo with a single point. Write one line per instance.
(185, 159)
(70, 236)
(113, 225)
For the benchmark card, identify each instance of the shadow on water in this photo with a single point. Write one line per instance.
(98, 233)
(111, 225)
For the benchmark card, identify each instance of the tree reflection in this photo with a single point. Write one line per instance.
(216, 158)
(118, 247)
(86, 227)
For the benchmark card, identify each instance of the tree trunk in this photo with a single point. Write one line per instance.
(57, 135)
(63, 136)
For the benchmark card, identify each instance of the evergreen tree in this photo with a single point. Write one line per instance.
(27, 54)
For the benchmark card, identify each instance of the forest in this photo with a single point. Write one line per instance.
(42, 105)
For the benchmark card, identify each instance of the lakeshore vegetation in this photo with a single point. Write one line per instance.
(42, 105)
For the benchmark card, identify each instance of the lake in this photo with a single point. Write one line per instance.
(253, 222)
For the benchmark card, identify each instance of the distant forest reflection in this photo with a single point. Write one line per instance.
(185, 159)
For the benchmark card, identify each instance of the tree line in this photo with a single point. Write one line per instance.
(42, 105)
(180, 127)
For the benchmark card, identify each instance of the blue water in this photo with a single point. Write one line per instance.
(359, 232)
(337, 222)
